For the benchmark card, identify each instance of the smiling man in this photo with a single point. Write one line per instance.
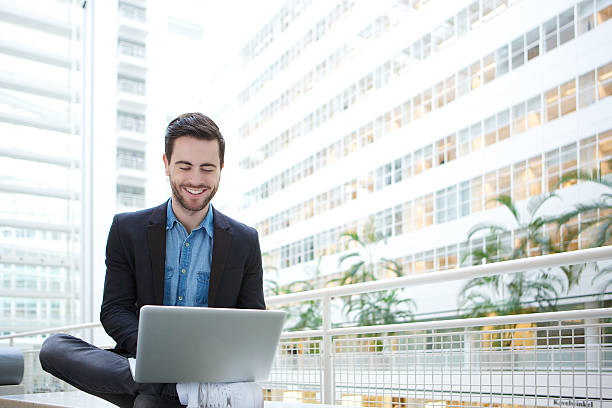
(181, 253)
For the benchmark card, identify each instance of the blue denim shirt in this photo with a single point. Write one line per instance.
(188, 260)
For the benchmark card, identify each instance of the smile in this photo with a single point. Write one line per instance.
(195, 191)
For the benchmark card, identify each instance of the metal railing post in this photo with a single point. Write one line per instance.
(328, 378)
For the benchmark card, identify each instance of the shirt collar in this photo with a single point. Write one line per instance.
(207, 222)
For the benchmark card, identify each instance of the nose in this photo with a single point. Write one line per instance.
(196, 178)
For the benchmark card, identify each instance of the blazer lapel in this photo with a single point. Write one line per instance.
(222, 239)
(156, 240)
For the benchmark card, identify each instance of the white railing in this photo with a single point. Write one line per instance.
(525, 360)
(130, 162)
(132, 49)
(131, 86)
(131, 200)
(133, 12)
(509, 346)
(131, 124)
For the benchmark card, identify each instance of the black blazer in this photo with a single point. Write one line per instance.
(135, 269)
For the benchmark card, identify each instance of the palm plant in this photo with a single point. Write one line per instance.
(528, 224)
(508, 294)
(601, 274)
(602, 224)
(309, 312)
(382, 307)
(599, 227)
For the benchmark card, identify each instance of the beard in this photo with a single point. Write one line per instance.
(197, 205)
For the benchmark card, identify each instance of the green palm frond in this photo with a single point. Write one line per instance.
(535, 203)
(492, 228)
(576, 175)
(507, 202)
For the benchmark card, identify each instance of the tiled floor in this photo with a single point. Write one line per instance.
(76, 399)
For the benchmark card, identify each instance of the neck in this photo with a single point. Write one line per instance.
(189, 219)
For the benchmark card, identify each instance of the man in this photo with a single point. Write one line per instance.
(183, 252)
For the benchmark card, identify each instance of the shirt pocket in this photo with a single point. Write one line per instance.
(203, 283)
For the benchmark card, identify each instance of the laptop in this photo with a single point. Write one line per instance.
(198, 344)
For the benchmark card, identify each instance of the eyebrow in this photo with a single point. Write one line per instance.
(185, 162)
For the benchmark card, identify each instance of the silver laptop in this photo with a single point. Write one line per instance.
(200, 344)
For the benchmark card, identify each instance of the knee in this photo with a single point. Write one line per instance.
(51, 350)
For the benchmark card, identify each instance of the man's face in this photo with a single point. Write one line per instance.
(194, 172)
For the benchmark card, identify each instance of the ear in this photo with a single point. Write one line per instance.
(166, 164)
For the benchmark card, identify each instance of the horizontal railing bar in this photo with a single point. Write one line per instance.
(62, 329)
(469, 272)
(459, 323)
(517, 265)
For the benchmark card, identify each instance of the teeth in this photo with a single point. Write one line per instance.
(193, 191)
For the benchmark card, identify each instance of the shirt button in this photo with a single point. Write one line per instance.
(183, 271)
(180, 298)
(186, 244)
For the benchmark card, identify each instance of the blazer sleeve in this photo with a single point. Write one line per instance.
(118, 313)
(251, 289)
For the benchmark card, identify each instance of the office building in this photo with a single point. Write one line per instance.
(412, 116)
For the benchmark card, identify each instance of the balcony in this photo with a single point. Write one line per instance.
(131, 95)
(132, 21)
(131, 170)
(131, 58)
(543, 359)
(131, 130)
(130, 202)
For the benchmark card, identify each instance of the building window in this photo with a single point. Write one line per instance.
(131, 122)
(604, 79)
(588, 155)
(519, 185)
(552, 169)
(552, 104)
(489, 68)
(440, 206)
(476, 136)
(605, 153)
(131, 85)
(519, 119)
(586, 20)
(568, 97)
(534, 116)
(566, 26)
(534, 176)
(464, 199)
(398, 220)
(476, 194)
(475, 80)
(550, 35)
(569, 161)
(131, 48)
(474, 15)
(463, 82)
(604, 11)
(518, 52)
(532, 41)
(586, 84)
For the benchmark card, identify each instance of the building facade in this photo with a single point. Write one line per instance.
(40, 166)
(84, 103)
(409, 118)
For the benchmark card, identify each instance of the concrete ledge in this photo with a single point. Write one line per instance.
(11, 389)
(78, 399)
(71, 399)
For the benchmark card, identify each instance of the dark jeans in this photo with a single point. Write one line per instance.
(102, 373)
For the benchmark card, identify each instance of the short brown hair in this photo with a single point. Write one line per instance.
(195, 125)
